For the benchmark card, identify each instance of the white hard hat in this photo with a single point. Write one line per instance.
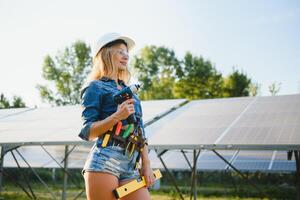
(110, 37)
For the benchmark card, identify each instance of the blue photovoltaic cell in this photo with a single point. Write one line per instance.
(284, 166)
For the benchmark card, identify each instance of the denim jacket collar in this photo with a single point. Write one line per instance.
(105, 78)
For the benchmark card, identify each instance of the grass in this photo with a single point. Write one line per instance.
(11, 192)
(18, 196)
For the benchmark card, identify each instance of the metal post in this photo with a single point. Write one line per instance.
(1, 166)
(64, 195)
(169, 174)
(195, 175)
(297, 158)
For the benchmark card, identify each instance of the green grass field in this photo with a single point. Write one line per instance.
(15, 193)
(211, 185)
(20, 196)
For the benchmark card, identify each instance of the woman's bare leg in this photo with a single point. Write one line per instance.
(141, 193)
(100, 185)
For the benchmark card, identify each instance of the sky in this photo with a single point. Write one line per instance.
(260, 38)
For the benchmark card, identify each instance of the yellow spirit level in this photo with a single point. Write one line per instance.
(134, 185)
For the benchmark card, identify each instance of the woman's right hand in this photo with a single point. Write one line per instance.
(125, 109)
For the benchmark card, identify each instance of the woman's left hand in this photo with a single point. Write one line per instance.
(147, 173)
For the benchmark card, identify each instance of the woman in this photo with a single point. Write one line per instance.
(109, 165)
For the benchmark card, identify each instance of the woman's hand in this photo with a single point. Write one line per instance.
(147, 173)
(125, 109)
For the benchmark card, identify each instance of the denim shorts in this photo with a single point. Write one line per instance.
(111, 159)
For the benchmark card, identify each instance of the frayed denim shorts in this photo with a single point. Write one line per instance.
(111, 159)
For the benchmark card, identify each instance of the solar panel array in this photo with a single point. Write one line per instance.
(198, 122)
(58, 125)
(236, 123)
(271, 120)
(233, 121)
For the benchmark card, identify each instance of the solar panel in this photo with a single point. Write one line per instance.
(253, 160)
(282, 164)
(209, 161)
(12, 111)
(57, 124)
(153, 108)
(199, 122)
(60, 125)
(271, 120)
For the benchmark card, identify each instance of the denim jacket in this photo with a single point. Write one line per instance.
(97, 104)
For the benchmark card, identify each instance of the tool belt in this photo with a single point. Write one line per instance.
(131, 139)
(115, 141)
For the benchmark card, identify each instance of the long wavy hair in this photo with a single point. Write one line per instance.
(103, 65)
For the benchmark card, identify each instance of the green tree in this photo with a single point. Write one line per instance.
(237, 84)
(274, 88)
(199, 79)
(4, 103)
(67, 72)
(157, 68)
(16, 103)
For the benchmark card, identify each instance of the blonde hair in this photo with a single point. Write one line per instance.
(103, 65)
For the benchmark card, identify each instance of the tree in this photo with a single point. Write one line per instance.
(16, 103)
(157, 68)
(274, 88)
(237, 84)
(164, 76)
(67, 72)
(199, 79)
(4, 103)
(254, 89)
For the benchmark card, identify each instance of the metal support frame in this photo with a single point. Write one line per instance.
(193, 168)
(65, 168)
(17, 183)
(241, 174)
(297, 158)
(227, 167)
(36, 174)
(30, 193)
(193, 192)
(194, 175)
(25, 178)
(171, 177)
(1, 166)
(64, 192)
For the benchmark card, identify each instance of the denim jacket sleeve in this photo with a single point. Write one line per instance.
(91, 105)
(143, 128)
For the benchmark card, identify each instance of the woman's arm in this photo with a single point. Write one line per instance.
(145, 158)
(98, 128)
(146, 167)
